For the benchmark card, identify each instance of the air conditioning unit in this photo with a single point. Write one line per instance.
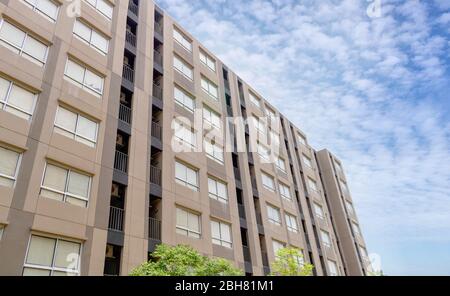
(115, 190)
(109, 251)
(119, 140)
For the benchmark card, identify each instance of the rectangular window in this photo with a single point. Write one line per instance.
(66, 185)
(102, 6)
(332, 268)
(184, 99)
(274, 138)
(212, 117)
(277, 246)
(312, 185)
(259, 125)
(221, 234)
(9, 167)
(356, 229)
(281, 164)
(52, 257)
(182, 40)
(214, 151)
(21, 43)
(186, 176)
(318, 210)
(301, 139)
(47, 8)
(183, 68)
(338, 167)
(76, 126)
(344, 188)
(307, 161)
(274, 215)
(91, 36)
(264, 152)
(16, 100)
(349, 207)
(209, 87)
(272, 115)
(84, 78)
(217, 190)
(255, 100)
(208, 61)
(188, 223)
(291, 222)
(268, 182)
(285, 191)
(185, 134)
(326, 240)
(363, 252)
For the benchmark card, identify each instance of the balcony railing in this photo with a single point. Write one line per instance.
(265, 259)
(112, 267)
(158, 28)
(133, 8)
(241, 210)
(154, 229)
(247, 257)
(157, 91)
(237, 174)
(125, 114)
(259, 219)
(130, 38)
(156, 130)
(121, 162)
(157, 58)
(116, 218)
(128, 73)
(155, 175)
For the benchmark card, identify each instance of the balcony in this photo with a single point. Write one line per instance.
(116, 216)
(132, 7)
(130, 38)
(158, 61)
(156, 130)
(125, 114)
(155, 176)
(265, 259)
(237, 174)
(157, 95)
(259, 223)
(247, 256)
(128, 73)
(158, 28)
(241, 210)
(121, 162)
(154, 229)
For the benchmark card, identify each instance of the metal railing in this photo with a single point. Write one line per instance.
(156, 130)
(155, 175)
(158, 28)
(154, 229)
(237, 174)
(125, 113)
(157, 58)
(116, 218)
(241, 210)
(259, 218)
(121, 162)
(157, 91)
(247, 257)
(128, 73)
(112, 267)
(133, 8)
(265, 259)
(130, 38)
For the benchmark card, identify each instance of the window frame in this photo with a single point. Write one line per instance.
(307, 161)
(279, 160)
(101, 12)
(215, 195)
(83, 84)
(34, 7)
(278, 222)
(221, 241)
(321, 215)
(220, 160)
(208, 110)
(184, 38)
(184, 65)
(181, 127)
(185, 95)
(333, 271)
(16, 172)
(7, 98)
(255, 100)
(189, 232)
(208, 58)
(289, 219)
(311, 181)
(89, 42)
(210, 85)
(325, 237)
(263, 174)
(185, 183)
(282, 193)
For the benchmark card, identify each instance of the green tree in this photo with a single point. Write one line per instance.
(183, 260)
(289, 262)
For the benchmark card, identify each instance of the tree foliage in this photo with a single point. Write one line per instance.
(289, 262)
(183, 260)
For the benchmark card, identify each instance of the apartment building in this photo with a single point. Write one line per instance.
(98, 105)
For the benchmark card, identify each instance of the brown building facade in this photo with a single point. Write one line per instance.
(99, 105)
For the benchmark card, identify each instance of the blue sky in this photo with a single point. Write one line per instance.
(375, 91)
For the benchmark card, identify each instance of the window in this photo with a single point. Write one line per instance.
(212, 117)
(349, 207)
(326, 240)
(264, 152)
(52, 257)
(274, 215)
(291, 222)
(208, 61)
(46, 8)
(221, 234)
(277, 246)
(182, 40)
(272, 115)
(344, 187)
(183, 68)
(210, 88)
(2, 227)
(318, 210)
(214, 151)
(281, 164)
(312, 185)
(102, 6)
(356, 229)
(184, 99)
(188, 223)
(259, 125)
(268, 182)
(217, 190)
(363, 252)
(16, 100)
(9, 167)
(76, 126)
(307, 161)
(285, 191)
(84, 78)
(91, 36)
(186, 176)
(332, 268)
(185, 134)
(338, 167)
(66, 185)
(22, 43)
(274, 138)
(301, 139)
(254, 100)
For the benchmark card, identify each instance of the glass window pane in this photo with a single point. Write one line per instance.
(55, 178)
(75, 71)
(41, 251)
(105, 8)
(193, 222)
(99, 41)
(226, 232)
(180, 171)
(6, 182)
(215, 230)
(182, 218)
(4, 86)
(222, 190)
(22, 99)
(35, 272)
(8, 162)
(212, 186)
(79, 185)
(94, 81)
(67, 255)
(192, 177)
(36, 49)
(47, 7)
(66, 119)
(82, 31)
(12, 34)
(87, 128)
